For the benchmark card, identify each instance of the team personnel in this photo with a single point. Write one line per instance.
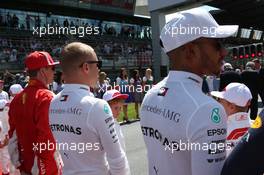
(247, 157)
(176, 112)
(3, 94)
(4, 156)
(250, 78)
(14, 90)
(28, 119)
(76, 117)
(228, 76)
(260, 71)
(236, 99)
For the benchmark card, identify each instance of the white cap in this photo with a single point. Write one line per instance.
(15, 89)
(114, 94)
(190, 25)
(236, 93)
(3, 103)
(250, 65)
(228, 66)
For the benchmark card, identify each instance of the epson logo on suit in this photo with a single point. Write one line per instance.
(219, 131)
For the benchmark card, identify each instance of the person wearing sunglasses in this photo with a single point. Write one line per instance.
(28, 119)
(77, 117)
(176, 112)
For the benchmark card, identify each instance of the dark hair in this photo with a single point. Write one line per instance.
(134, 74)
(121, 73)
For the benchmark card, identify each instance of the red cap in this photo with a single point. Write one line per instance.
(114, 94)
(37, 60)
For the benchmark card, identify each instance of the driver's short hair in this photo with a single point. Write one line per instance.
(73, 55)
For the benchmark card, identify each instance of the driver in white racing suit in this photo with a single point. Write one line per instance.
(185, 130)
(83, 126)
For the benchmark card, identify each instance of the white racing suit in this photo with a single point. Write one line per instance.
(84, 129)
(180, 127)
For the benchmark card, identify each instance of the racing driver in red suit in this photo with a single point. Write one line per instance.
(31, 144)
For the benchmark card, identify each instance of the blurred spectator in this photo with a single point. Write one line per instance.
(137, 90)
(26, 81)
(250, 78)
(228, 76)
(205, 87)
(17, 79)
(28, 22)
(15, 21)
(228, 67)
(22, 27)
(37, 21)
(72, 24)
(107, 49)
(66, 23)
(241, 67)
(1, 20)
(106, 28)
(8, 19)
(4, 126)
(57, 23)
(3, 94)
(213, 83)
(257, 64)
(77, 23)
(260, 70)
(13, 55)
(238, 71)
(101, 86)
(58, 82)
(8, 79)
(52, 23)
(14, 90)
(148, 80)
(250, 65)
(6, 54)
(122, 82)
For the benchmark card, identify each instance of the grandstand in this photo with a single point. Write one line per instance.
(119, 38)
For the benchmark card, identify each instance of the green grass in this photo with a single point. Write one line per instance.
(131, 113)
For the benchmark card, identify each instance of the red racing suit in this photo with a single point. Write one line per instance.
(28, 119)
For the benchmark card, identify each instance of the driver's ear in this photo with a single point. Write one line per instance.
(41, 71)
(85, 67)
(232, 106)
(191, 50)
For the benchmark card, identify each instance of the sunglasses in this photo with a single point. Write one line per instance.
(99, 63)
